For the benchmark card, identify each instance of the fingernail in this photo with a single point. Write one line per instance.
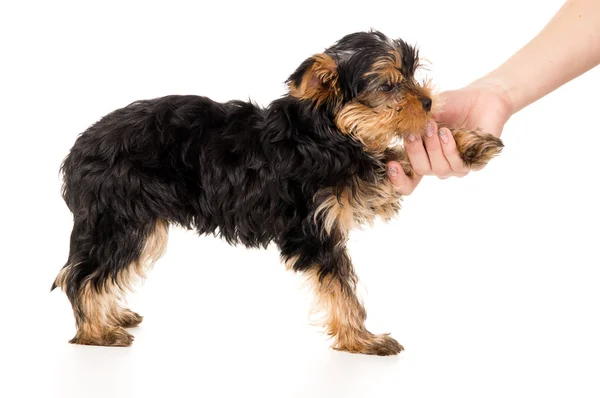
(429, 129)
(412, 138)
(444, 135)
(393, 171)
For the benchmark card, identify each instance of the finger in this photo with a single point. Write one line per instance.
(448, 145)
(403, 184)
(417, 155)
(439, 164)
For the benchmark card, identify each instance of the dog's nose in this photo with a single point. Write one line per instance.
(426, 102)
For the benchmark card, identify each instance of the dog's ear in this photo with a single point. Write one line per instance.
(316, 79)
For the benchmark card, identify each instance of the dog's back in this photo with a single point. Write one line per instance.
(183, 159)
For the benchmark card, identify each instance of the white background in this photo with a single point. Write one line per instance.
(490, 282)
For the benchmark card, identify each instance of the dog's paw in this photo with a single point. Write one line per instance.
(114, 337)
(370, 344)
(118, 337)
(129, 319)
(383, 345)
(476, 149)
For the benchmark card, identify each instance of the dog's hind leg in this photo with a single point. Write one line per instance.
(104, 261)
(331, 276)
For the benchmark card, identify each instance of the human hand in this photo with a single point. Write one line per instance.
(404, 184)
(480, 105)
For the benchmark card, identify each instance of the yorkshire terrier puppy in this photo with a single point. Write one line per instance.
(300, 173)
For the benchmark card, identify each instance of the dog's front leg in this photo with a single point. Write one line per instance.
(331, 276)
(475, 148)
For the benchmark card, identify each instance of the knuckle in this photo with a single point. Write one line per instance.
(421, 170)
(451, 151)
(458, 165)
(431, 148)
(441, 171)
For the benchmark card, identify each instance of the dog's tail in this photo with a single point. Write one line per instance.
(61, 278)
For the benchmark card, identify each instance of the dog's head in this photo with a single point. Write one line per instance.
(366, 81)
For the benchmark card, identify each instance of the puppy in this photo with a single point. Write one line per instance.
(300, 173)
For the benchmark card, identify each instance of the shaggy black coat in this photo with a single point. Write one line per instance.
(248, 174)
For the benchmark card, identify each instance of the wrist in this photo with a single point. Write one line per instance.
(503, 90)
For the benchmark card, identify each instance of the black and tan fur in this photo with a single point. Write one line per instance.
(300, 173)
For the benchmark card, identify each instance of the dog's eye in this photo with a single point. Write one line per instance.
(386, 87)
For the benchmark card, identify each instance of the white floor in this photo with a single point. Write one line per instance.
(489, 282)
(476, 320)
